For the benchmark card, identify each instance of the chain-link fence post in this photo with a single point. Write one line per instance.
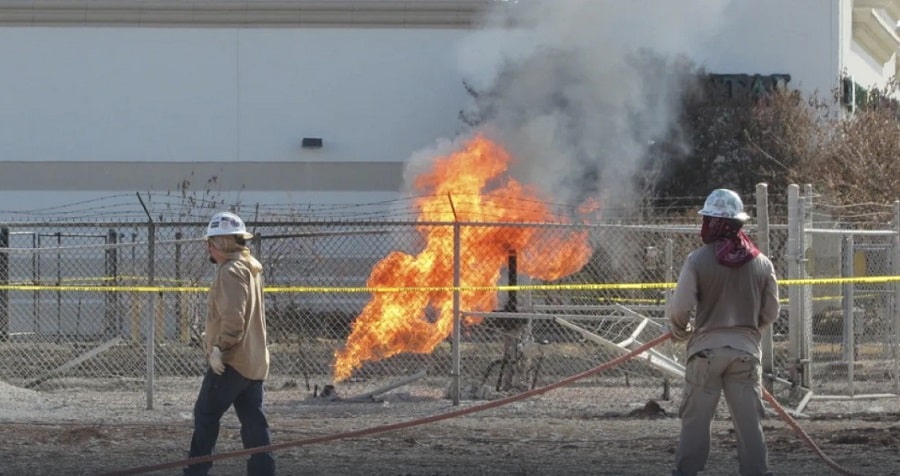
(151, 311)
(134, 309)
(794, 257)
(184, 334)
(762, 240)
(800, 322)
(849, 330)
(670, 265)
(895, 267)
(58, 334)
(110, 311)
(4, 281)
(457, 321)
(806, 307)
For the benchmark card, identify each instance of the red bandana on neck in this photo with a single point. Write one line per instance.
(733, 246)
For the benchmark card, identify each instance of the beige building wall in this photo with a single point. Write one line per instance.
(103, 96)
(115, 96)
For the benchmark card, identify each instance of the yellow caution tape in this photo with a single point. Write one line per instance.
(398, 289)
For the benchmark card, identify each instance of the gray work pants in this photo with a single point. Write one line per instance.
(708, 374)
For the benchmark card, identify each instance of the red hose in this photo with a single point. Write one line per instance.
(803, 436)
(465, 411)
(396, 426)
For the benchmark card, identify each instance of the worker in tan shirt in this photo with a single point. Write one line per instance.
(235, 347)
(731, 289)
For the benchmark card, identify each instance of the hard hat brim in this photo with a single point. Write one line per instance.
(742, 216)
(245, 235)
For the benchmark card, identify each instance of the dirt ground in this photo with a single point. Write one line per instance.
(83, 430)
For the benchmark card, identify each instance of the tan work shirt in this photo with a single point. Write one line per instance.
(236, 319)
(732, 304)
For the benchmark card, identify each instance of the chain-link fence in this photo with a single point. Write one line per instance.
(843, 304)
(357, 304)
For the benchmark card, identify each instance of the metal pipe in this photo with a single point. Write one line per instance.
(4, 280)
(457, 320)
(849, 330)
(762, 242)
(151, 308)
(794, 257)
(805, 222)
(895, 259)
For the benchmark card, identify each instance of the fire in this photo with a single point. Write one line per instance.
(470, 185)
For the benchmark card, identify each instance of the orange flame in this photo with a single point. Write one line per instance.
(469, 185)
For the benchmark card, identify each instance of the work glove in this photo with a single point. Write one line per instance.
(680, 334)
(215, 361)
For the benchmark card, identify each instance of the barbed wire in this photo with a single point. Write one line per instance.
(168, 208)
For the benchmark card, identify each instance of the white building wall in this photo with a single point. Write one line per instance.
(370, 94)
(193, 101)
(863, 66)
(812, 40)
(225, 94)
(867, 72)
(797, 37)
(108, 94)
(201, 98)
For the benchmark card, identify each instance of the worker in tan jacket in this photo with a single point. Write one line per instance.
(731, 289)
(235, 347)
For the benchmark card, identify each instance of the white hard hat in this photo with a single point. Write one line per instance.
(226, 223)
(724, 203)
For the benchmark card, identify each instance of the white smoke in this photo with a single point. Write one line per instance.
(570, 95)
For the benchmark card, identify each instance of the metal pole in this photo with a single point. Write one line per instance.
(4, 280)
(794, 257)
(670, 265)
(135, 307)
(762, 241)
(669, 272)
(456, 311)
(895, 258)
(58, 292)
(180, 316)
(35, 279)
(849, 331)
(151, 325)
(111, 310)
(37, 294)
(805, 242)
(151, 309)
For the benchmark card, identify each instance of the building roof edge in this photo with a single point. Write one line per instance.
(244, 13)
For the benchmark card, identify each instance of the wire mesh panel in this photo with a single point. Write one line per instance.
(72, 258)
(360, 303)
(852, 331)
(55, 308)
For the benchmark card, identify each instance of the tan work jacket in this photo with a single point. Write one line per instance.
(236, 321)
(732, 304)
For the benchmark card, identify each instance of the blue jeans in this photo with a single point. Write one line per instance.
(217, 394)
